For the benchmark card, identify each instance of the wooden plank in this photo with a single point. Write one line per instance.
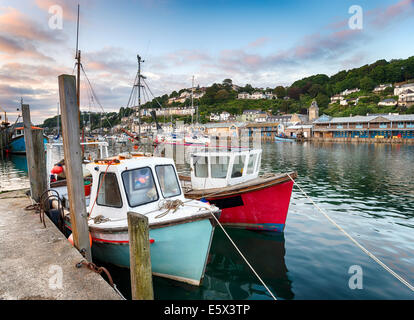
(140, 258)
(40, 174)
(73, 164)
(29, 147)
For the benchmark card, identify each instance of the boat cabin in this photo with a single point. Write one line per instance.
(221, 169)
(124, 184)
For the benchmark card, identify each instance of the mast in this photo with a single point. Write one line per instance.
(192, 100)
(57, 119)
(139, 95)
(78, 63)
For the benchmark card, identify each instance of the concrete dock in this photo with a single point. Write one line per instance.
(38, 263)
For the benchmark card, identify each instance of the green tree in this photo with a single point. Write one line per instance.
(280, 92)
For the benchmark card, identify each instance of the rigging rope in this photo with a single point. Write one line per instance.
(371, 255)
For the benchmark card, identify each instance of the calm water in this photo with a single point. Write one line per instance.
(367, 189)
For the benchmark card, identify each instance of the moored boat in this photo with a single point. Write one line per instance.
(16, 144)
(180, 230)
(231, 181)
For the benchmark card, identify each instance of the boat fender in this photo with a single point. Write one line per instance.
(57, 169)
(71, 239)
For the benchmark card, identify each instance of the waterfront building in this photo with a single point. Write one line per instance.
(370, 126)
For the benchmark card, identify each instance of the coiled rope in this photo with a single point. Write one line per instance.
(371, 255)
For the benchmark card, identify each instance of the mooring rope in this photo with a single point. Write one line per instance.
(244, 258)
(382, 264)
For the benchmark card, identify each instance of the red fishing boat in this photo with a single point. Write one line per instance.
(231, 181)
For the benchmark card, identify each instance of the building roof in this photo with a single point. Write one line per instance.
(369, 118)
(224, 124)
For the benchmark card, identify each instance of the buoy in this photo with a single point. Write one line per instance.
(57, 169)
(135, 147)
(71, 239)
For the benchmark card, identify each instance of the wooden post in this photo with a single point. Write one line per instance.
(140, 258)
(39, 174)
(73, 164)
(28, 139)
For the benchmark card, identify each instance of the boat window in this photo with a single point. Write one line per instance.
(109, 194)
(167, 179)
(139, 186)
(252, 161)
(219, 167)
(200, 167)
(238, 166)
(258, 162)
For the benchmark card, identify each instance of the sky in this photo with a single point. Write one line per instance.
(263, 43)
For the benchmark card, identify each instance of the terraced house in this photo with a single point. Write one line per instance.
(387, 126)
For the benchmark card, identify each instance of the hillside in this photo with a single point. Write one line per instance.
(293, 99)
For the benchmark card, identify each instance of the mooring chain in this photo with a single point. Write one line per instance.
(93, 267)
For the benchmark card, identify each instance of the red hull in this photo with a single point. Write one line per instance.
(264, 209)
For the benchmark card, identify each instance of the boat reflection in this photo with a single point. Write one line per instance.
(229, 277)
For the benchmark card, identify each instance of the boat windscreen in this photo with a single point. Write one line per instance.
(219, 167)
(251, 166)
(167, 179)
(238, 166)
(200, 166)
(139, 186)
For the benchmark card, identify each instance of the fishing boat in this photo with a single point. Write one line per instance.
(231, 181)
(284, 138)
(180, 229)
(16, 144)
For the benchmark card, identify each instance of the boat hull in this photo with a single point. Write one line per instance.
(285, 139)
(178, 252)
(18, 146)
(264, 209)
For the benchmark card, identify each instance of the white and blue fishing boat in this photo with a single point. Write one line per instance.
(284, 138)
(180, 230)
(16, 144)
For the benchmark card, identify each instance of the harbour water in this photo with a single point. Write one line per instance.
(368, 189)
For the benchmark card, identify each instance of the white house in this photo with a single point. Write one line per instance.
(214, 117)
(399, 89)
(382, 87)
(224, 116)
(349, 91)
(388, 103)
(243, 95)
(258, 95)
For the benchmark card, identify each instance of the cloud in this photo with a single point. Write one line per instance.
(259, 42)
(21, 36)
(381, 17)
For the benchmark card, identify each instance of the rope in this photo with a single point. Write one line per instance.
(371, 255)
(169, 205)
(247, 262)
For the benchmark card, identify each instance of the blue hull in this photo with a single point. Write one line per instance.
(178, 252)
(18, 146)
(284, 139)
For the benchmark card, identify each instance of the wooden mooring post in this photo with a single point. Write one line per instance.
(140, 258)
(35, 155)
(73, 164)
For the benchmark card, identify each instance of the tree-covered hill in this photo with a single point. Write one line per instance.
(295, 98)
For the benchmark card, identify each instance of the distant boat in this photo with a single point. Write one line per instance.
(17, 144)
(285, 139)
